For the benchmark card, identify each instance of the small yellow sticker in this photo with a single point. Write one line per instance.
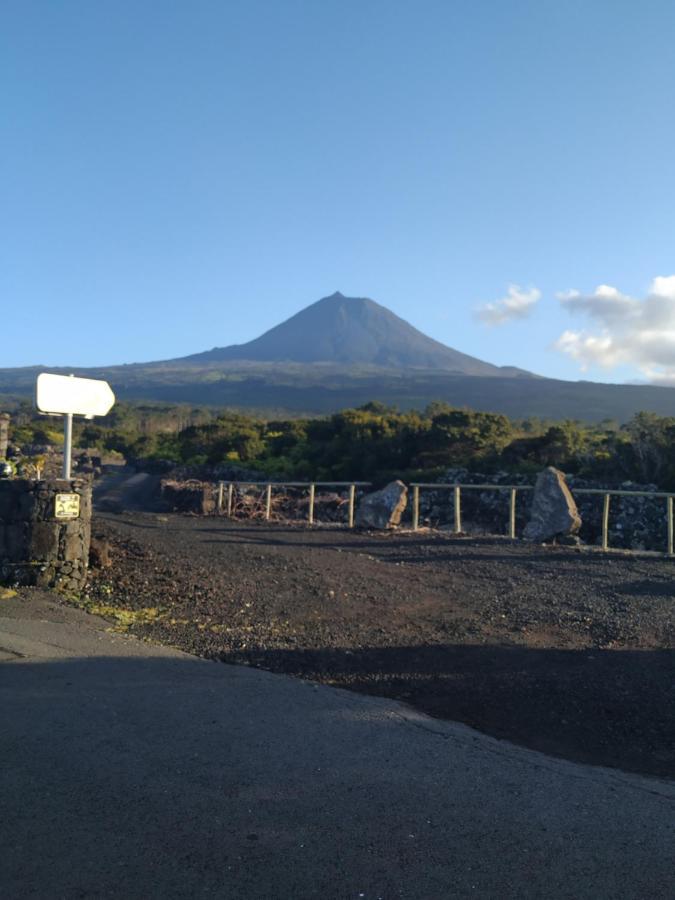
(67, 506)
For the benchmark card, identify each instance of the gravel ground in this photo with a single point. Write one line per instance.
(565, 651)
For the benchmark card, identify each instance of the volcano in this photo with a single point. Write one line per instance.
(352, 331)
(342, 352)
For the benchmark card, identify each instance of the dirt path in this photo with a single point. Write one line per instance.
(127, 489)
(563, 651)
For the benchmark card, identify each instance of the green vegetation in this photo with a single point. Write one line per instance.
(374, 442)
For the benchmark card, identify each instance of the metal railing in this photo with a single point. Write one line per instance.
(226, 494)
(514, 488)
(457, 500)
(226, 500)
(607, 495)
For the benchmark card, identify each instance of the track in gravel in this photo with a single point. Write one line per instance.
(564, 651)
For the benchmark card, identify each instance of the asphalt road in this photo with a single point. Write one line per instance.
(130, 770)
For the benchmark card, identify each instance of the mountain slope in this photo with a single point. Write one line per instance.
(280, 389)
(351, 331)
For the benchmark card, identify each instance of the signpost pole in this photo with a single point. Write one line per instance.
(67, 444)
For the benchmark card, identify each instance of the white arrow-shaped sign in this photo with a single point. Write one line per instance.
(68, 395)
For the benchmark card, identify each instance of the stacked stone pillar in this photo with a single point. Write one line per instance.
(45, 529)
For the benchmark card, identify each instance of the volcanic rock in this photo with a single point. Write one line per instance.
(554, 511)
(383, 509)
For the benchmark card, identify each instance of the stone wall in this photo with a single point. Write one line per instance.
(197, 497)
(37, 547)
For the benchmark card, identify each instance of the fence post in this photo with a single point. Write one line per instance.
(605, 522)
(220, 496)
(230, 492)
(512, 514)
(268, 502)
(352, 496)
(669, 507)
(311, 504)
(458, 509)
(416, 507)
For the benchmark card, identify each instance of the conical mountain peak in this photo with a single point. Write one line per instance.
(350, 331)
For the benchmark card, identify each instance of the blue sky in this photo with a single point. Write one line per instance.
(176, 175)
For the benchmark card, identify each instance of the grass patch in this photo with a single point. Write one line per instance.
(124, 618)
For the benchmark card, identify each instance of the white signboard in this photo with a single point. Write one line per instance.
(68, 395)
(67, 506)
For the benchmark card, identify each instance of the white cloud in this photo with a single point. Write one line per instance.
(634, 332)
(606, 303)
(517, 304)
(664, 286)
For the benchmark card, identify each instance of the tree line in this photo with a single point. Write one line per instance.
(373, 442)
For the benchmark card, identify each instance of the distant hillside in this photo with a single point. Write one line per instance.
(314, 388)
(351, 331)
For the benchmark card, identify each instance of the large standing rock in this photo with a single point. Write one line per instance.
(383, 509)
(554, 511)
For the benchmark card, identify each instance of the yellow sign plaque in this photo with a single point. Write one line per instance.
(67, 506)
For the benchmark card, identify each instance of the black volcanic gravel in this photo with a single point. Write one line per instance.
(566, 651)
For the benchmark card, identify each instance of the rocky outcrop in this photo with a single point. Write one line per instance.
(554, 512)
(383, 509)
